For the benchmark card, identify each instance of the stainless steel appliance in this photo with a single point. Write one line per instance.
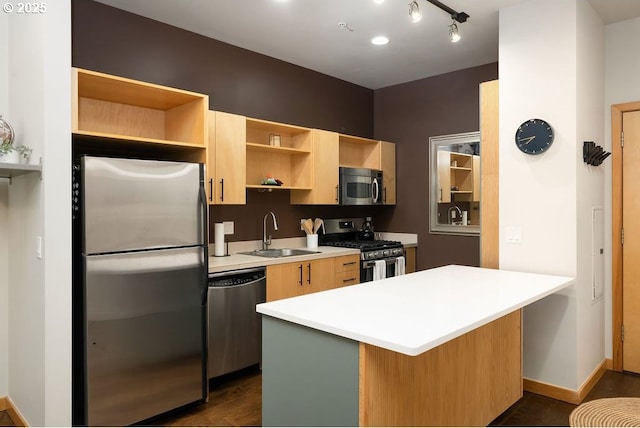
(139, 289)
(235, 328)
(345, 233)
(360, 186)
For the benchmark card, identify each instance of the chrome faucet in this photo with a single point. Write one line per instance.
(449, 214)
(267, 241)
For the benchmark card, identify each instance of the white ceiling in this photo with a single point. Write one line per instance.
(307, 32)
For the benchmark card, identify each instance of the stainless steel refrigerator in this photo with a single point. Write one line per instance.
(139, 289)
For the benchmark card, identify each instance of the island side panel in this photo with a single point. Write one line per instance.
(468, 381)
(309, 378)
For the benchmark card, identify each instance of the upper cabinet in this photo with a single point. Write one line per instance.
(278, 151)
(357, 152)
(118, 108)
(388, 166)
(227, 159)
(325, 171)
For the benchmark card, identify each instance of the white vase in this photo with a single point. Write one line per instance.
(11, 157)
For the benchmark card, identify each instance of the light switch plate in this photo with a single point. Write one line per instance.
(514, 234)
(228, 227)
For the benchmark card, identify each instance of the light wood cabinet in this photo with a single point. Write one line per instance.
(111, 107)
(279, 151)
(227, 159)
(357, 152)
(458, 177)
(388, 166)
(410, 260)
(295, 279)
(325, 171)
(347, 270)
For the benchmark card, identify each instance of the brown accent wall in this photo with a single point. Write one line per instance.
(239, 81)
(408, 114)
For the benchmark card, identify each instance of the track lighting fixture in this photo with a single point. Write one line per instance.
(460, 17)
(414, 11)
(454, 34)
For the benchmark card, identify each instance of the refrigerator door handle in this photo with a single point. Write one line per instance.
(205, 241)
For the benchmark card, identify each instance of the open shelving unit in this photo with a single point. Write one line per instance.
(358, 152)
(108, 108)
(290, 162)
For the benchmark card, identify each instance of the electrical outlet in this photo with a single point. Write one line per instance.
(39, 247)
(514, 234)
(302, 221)
(228, 227)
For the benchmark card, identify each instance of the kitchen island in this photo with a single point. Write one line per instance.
(436, 347)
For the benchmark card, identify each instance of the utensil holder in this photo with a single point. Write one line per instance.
(312, 240)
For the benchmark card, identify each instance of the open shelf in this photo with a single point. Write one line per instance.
(269, 188)
(121, 108)
(274, 149)
(357, 152)
(10, 170)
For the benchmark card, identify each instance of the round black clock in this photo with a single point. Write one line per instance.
(534, 136)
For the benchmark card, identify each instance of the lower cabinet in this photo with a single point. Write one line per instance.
(295, 279)
(410, 259)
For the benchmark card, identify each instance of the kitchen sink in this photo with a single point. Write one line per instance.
(279, 252)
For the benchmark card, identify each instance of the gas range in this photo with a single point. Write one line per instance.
(345, 233)
(371, 250)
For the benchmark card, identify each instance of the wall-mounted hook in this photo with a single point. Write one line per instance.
(593, 154)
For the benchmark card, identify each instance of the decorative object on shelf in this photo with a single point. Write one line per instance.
(8, 152)
(534, 136)
(270, 181)
(593, 154)
(6, 133)
(274, 140)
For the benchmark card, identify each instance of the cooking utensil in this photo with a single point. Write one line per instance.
(317, 224)
(307, 226)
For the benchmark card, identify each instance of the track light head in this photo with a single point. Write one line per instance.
(454, 34)
(414, 11)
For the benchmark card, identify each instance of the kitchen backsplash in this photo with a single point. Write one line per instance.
(248, 218)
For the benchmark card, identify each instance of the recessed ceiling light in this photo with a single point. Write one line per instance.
(380, 40)
(378, 1)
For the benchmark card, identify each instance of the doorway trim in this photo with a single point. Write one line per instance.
(617, 110)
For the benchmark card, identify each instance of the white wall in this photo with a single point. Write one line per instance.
(40, 289)
(543, 74)
(4, 199)
(622, 84)
(590, 185)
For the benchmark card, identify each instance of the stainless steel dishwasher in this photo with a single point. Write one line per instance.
(235, 328)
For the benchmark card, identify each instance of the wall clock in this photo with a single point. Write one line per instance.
(534, 136)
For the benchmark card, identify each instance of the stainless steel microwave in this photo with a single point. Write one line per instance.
(360, 186)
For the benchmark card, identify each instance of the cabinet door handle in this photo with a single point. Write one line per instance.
(349, 279)
(211, 189)
(337, 194)
(300, 280)
(441, 194)
(347, 264)
(309, 274)
(222, 189)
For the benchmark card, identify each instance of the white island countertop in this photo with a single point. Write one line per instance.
(414, 313)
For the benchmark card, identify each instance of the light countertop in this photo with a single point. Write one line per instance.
(414, 313)
(243, 261)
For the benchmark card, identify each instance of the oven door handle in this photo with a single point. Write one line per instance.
(372, 263)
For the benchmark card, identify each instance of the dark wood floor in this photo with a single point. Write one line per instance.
(236, 400)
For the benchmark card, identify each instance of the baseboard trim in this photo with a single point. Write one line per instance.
(564, 394)
(15, 414)
(3, 403)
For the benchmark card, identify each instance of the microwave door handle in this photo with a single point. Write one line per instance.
(376, 190)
